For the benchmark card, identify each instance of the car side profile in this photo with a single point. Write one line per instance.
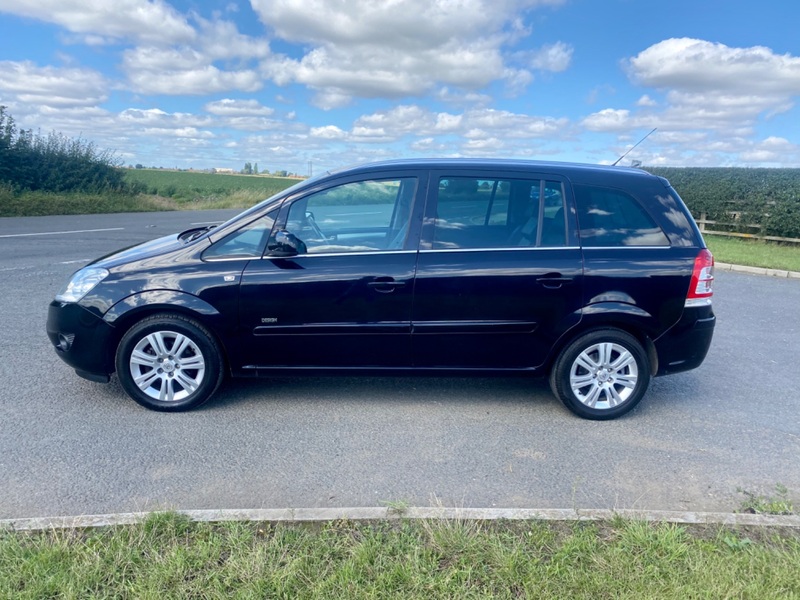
(596, 277)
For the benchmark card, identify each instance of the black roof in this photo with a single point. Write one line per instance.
(566, 169)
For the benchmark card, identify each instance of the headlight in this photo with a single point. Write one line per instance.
(81, 284)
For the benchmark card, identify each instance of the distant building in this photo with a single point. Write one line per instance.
(226, 171)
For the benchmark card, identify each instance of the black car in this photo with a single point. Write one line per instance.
(595, 276)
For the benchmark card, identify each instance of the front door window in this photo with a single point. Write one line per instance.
(362, 216)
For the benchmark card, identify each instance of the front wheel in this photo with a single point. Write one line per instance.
(170, 363)
(601, 375)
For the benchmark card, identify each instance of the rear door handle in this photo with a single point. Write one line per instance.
(554, 282)
(385, 285)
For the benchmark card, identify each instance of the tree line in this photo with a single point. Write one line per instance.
(252, 169)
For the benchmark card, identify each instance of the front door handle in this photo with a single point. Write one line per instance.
(385, 285)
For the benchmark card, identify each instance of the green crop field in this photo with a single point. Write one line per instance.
(190, 185)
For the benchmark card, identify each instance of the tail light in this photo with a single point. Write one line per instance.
(701, 287)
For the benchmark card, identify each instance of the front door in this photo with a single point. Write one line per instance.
(345, 299)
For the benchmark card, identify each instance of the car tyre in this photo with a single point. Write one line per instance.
(601, 375)
(170, 363)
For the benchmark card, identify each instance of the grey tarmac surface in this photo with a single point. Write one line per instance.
(72, 447)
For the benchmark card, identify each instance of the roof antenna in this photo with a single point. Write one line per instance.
(634, 146)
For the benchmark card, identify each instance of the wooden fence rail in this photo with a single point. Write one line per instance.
(702, 222)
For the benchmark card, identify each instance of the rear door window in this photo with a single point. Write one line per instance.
(477, 212)
(608, 217)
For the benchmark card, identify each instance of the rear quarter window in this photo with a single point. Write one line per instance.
(612, 217)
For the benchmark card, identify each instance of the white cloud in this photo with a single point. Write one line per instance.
(171, 56)
(483, 146)
(176, 71)
(514, 125)
(609, 119)
(774, 150)
(242, 115)
(447, 123)
(238, 108)
(445, 94)
(397, 48)
(155, 117)
(221, 40)
(340, 73)
(694, 65)
(555, 57)
(219, 59)
(428, 145)
(406, 24)
(150, 21)
(701, 150)
(328, 132)
(715, 97)
(479, 129)
(182, 132)
(714, 86)
(52, 86)
(400, 120)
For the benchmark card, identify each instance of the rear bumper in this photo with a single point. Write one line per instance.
(82, 340)
(685, 345)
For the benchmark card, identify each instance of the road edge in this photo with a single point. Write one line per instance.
(304, 515)
(756, 270)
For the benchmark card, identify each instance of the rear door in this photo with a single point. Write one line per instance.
(499, 274)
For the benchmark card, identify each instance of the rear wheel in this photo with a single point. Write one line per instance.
(169, 362)
(601, 375)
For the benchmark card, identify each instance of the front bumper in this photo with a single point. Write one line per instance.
(686, 344)
(82, 340)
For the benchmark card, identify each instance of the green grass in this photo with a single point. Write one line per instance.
(169, 557)
(188, 186)
(754, 253)
(36, 204)
(777, 504)
(158, 190)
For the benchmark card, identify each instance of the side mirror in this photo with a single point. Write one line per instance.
(285, 243)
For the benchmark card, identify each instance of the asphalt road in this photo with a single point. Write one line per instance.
(71, 447)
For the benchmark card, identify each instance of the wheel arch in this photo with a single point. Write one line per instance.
(611, 315)
(126, 313)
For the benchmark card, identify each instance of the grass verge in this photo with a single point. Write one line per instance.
(754, 253)
(37, 204)
(167, 556)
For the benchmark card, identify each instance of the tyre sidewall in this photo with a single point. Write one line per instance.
(185, 326)
(560, 374)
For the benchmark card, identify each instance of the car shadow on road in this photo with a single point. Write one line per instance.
(384, 390)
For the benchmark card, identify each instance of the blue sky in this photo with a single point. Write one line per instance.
(288, 83)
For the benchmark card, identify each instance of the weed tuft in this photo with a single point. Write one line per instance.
(779, 504)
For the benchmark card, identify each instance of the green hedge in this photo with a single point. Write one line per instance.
(31, 161)
(766, 197)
